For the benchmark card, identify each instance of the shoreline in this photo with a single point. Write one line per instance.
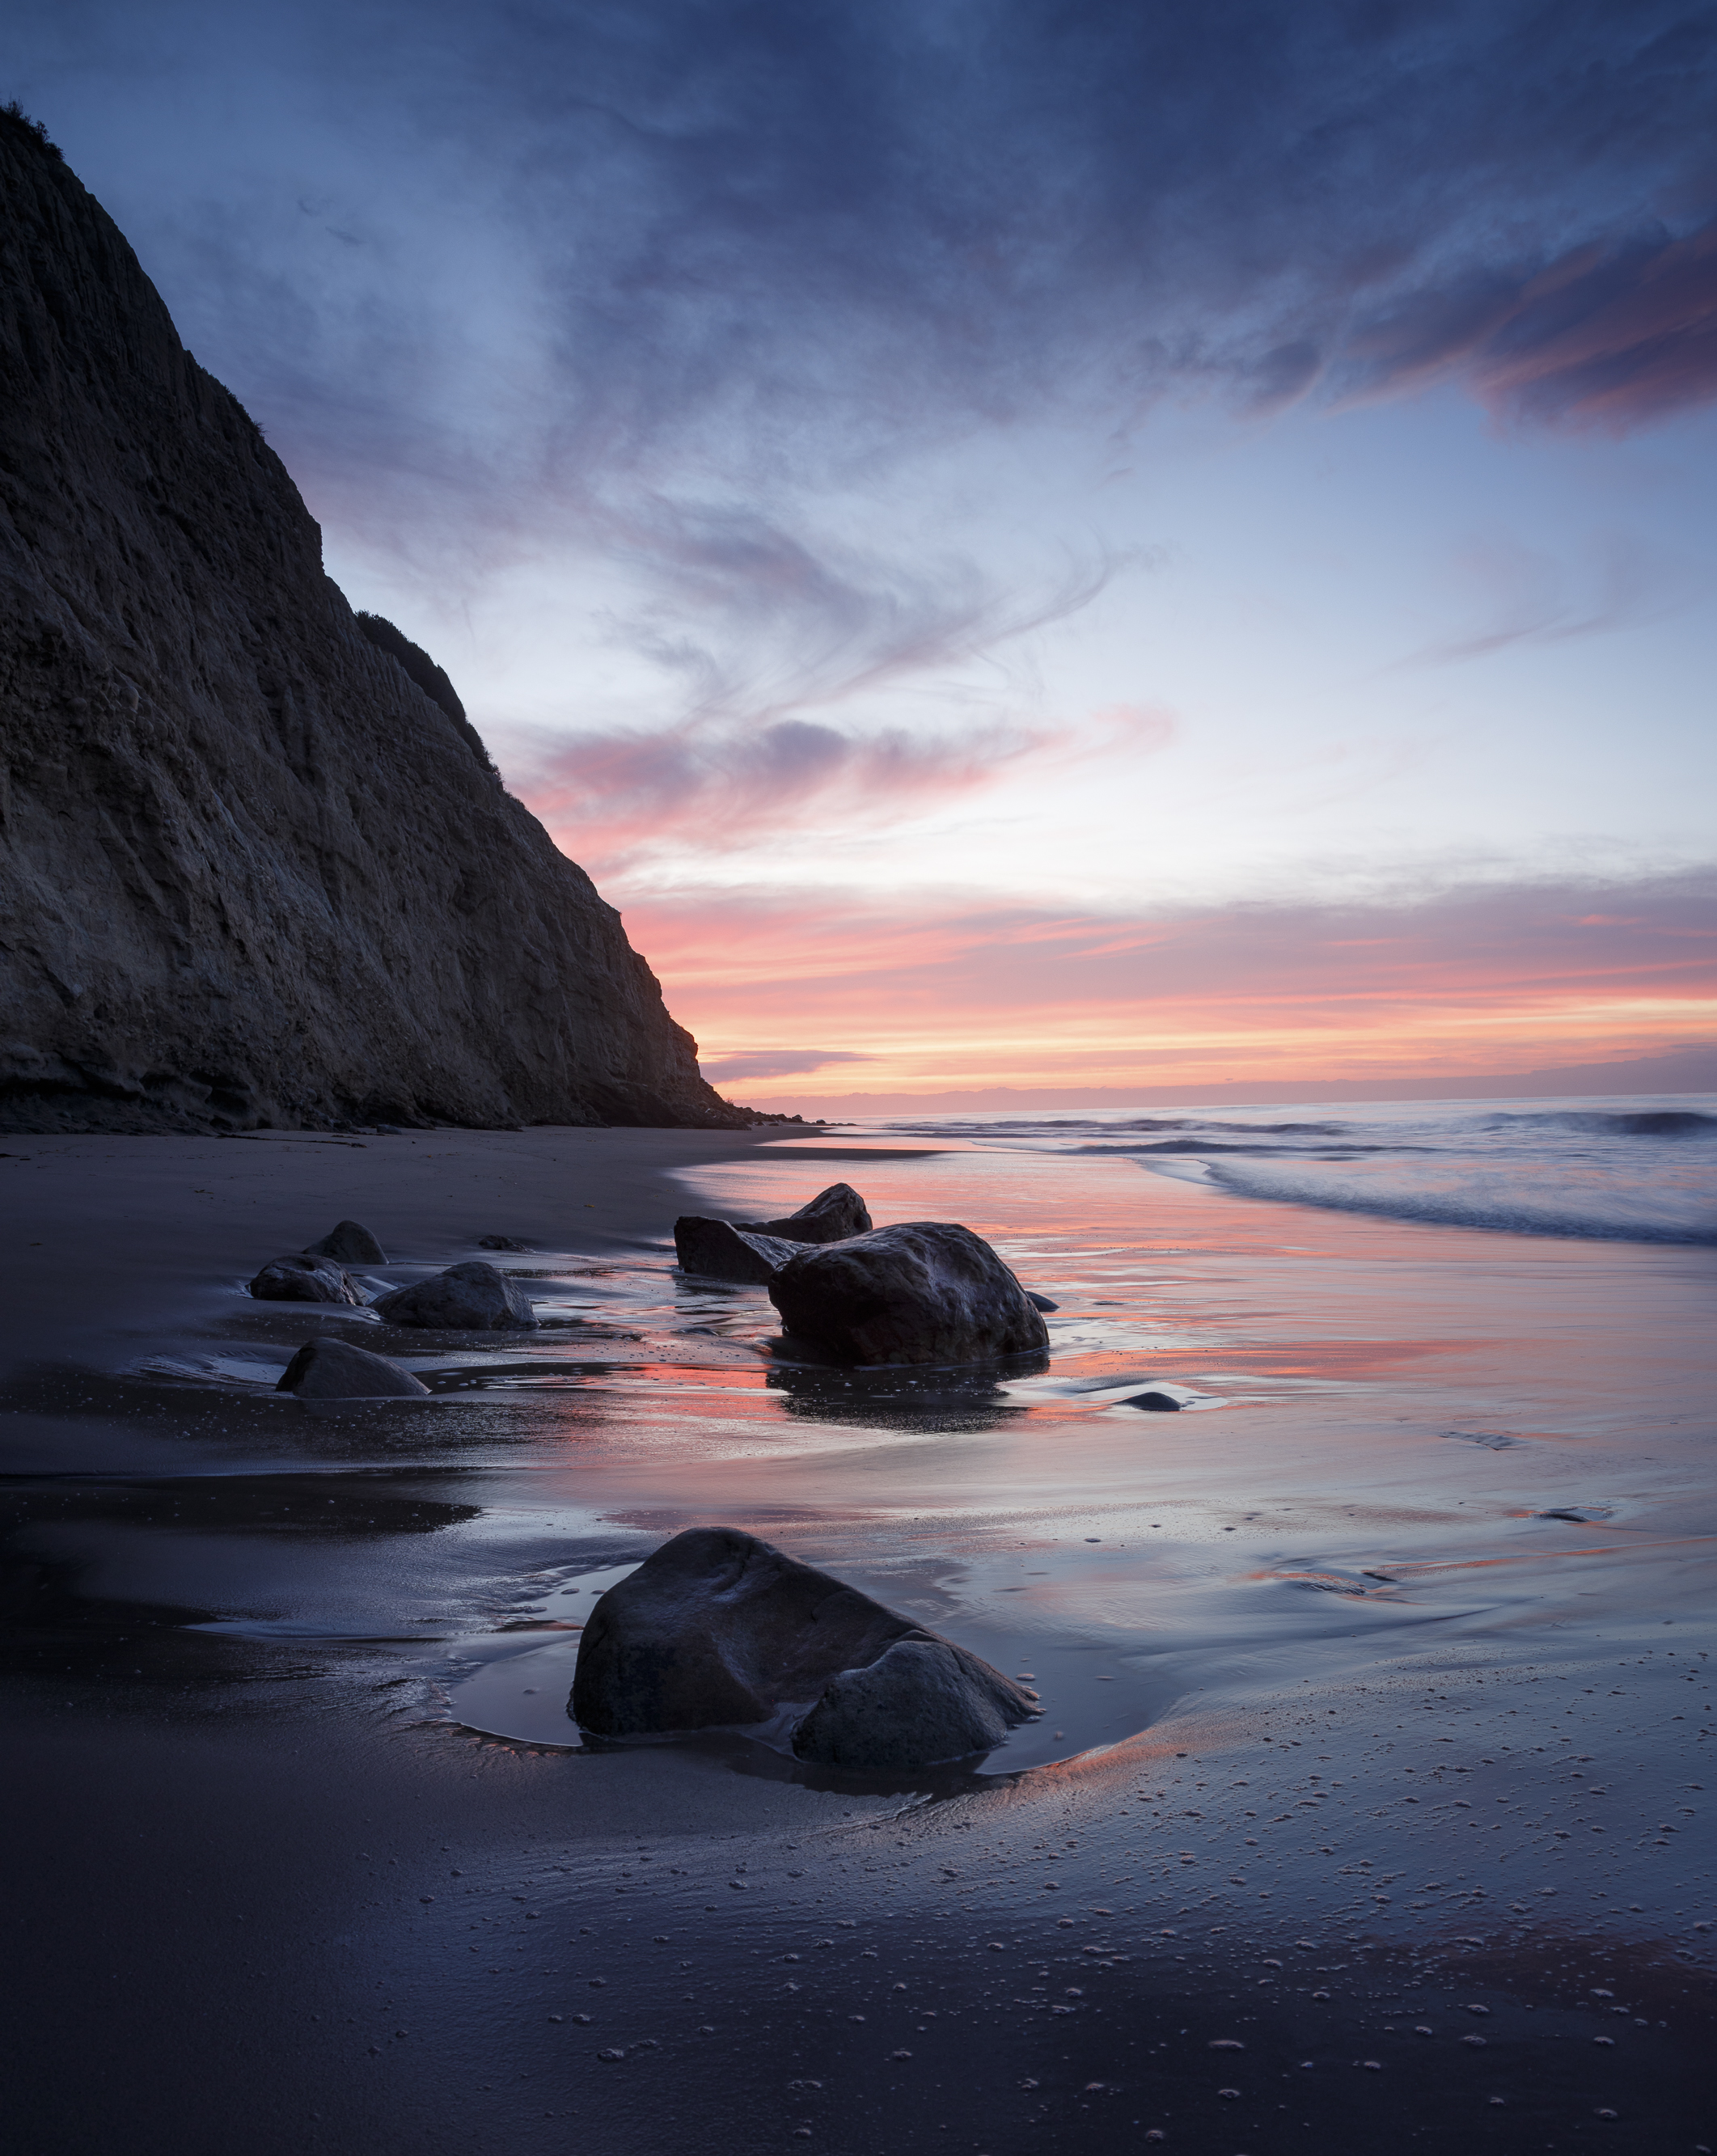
(226, 1837)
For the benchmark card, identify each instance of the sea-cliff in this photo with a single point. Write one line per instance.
(251, 872)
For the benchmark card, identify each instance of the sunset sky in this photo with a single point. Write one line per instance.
(1047, 547)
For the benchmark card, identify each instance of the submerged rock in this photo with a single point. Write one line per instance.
(1040, 1301)
(500, 1243)
(831, 1217)
(718, 1251)
(1153, 1403)
(919, 1291)
(299, 1277)
(350, 1244)
(718, 1630)
(336, 1370)
(473, 1297)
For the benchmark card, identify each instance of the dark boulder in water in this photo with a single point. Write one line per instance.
(919, 1291)
(1152, 1402)
(500, 1243)
(299, 1277)
(831, 1217)
(718, 1630)
(473, 1297)
(1040, 1301)
(350, 1244)
(717, 1249)
(336, 1370)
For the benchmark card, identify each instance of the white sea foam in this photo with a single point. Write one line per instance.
(1640, 1170)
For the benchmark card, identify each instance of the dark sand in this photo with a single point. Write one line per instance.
(270, 1890)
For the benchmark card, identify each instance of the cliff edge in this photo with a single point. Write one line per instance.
(251, 872)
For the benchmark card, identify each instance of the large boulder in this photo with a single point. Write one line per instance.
(350, 1244)
(831, 1217)
(920, 1291)
(718, 1251)
(717, 1629)
(298, 1277)
(336, 1370)
(473, 1297)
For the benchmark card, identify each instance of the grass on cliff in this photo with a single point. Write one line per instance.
(17, 122)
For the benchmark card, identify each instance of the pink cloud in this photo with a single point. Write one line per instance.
(938, 993)
(612, 799)
(1607, 336)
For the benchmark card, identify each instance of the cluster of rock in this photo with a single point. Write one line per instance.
(473, 1297)
(920, 1291)
(719, 1630)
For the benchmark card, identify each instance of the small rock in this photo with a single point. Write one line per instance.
(500, 1243)
(920, 1291)
(831, 1217)
(1152, 1402)
(469, 1298)
(716, 1249)
(298, 1278)
(1040, 1301)
(336, 1370)
(350, 1244)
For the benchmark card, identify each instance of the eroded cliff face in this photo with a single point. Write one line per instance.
(250, 872)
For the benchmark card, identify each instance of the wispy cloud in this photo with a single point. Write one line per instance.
(1613, 333)
(773, 1063)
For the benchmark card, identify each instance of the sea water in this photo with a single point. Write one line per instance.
(1439, 1372)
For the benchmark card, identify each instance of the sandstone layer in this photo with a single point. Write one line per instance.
(250, 872)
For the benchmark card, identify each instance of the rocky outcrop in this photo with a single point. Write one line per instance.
(250, 872)
(829, 1217)
(716, 1249)
(352, 1244)
(717, 1629)
(301, 1277)
(336, 1370)
(473, 1297)
(920, 1291)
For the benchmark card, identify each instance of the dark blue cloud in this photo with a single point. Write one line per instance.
(814, 220)
(656, 273)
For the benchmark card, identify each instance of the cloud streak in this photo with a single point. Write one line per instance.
(1438, 981)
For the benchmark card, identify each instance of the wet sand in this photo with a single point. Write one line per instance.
(1346, 1742)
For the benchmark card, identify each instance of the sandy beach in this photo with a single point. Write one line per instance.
(1368, 1802)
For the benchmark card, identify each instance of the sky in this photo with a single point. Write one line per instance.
(1076, 549)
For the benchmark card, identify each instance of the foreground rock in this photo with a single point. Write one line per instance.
(257, 866)
(473, 1297)
(718, 1631)
(350, 1244)
(336, 1370)
(831, 1217)
(920, 1291)
(718, 1251)
(298, 1277)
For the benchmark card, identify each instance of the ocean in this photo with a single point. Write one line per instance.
(1643, 1170)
